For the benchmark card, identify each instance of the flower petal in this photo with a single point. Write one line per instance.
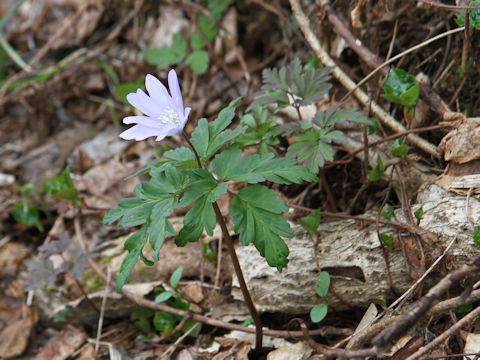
(185, 118)
(157, 91)
(175, 90)
(142, 120)
(139, 101)
(141, 132)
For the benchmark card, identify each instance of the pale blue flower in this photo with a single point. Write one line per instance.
(164, 112)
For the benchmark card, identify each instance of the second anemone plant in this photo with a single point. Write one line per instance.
(197, 175)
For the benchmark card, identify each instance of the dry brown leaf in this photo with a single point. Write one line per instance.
(62, 346)
(462, 144)
(17, 318)
(12, 255)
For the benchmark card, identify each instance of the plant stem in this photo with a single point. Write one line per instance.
(241, 280)
(236, 264)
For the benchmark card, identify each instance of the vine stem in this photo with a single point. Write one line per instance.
(236, 264)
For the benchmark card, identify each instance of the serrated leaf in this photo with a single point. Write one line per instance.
(200, 216)
(61, 187)
(181, 157)
(401, 88)
(55, 246)
(323, 283)
(79, 264)
(208, 138)
(176, 276)
(166, 56)
(41, 273)
(311, 222)
(229, 165)
(159, 226)
(473, 16)
(310, 148)
(255, 211)
(318, 313)
(202, 184)
(134, 245)
(399, 149)
(198, 61)
(307, 84)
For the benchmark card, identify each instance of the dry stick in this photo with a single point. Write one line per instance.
(102, 311)
(405, 321)
(236, 264)
(467, 319)
(349, 84)
(453, 7)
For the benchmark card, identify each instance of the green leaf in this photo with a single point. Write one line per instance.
(202, 184)
(134, 245)
(208, 26)
(166, 56)
(247, 321)
(419, 214)
(164, 322)
(473, 16)
(25, 214)
(378, 172)
(387, 240)
(401, 88)
(307, 84)
(159, 226)
(61, 187)
(189, 324)
(255, 211)
(208, 254)
(200, 216)
(122, 90)
(181, 157)
(310, 148)
(176, 276)
(229, 165)
(164, 296)
(318, 313)
(323, 283)
(198, 61)
(208, 138)
(311, 222)
(463, 309)
(388, 212)
(218, 7)
(399, 149)
(476, 235)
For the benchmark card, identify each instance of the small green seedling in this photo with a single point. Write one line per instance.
(319, 312)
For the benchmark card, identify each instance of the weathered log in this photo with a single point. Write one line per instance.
(354, 258)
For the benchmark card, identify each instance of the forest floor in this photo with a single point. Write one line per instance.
(65, 69)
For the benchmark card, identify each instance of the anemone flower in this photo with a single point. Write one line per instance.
(164, 112)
